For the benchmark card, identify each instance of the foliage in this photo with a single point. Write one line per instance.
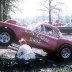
(5, 7)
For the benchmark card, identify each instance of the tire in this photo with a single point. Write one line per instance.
(65, 53)
(5, 37)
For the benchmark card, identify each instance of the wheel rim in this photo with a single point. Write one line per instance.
(4, 37)
(65, 53)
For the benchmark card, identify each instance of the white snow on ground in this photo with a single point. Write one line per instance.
(39, 51)
(7, 53)
(25, 52)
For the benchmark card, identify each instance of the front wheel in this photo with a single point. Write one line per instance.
(65, 53)
(5, 37)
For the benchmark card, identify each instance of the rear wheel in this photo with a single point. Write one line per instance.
(5, 37)
(65, 53)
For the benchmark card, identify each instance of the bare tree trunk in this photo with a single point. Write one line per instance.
(0, 9)
(50, 11)
(3, 10)
(3, 4)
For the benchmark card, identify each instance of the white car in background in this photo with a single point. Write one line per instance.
(65, 28)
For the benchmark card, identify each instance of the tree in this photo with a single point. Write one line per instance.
(5, 7)
(0, 9)
(50, 8)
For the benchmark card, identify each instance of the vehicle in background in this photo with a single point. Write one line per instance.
(67, 28)
(64, 28)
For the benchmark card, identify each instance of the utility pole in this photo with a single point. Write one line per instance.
(50, 11)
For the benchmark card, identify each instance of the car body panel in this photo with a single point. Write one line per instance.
(18, 30)
(42, 41)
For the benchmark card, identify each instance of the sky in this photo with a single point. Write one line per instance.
(67, 7)
(30, 8)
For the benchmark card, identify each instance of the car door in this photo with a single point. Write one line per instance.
(50, 34)
(33, 37)
(41, 40)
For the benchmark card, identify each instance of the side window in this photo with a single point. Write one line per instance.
(47, 31)
(44, 30)
(38, 29)
(51, 32)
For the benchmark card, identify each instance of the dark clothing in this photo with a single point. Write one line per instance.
(23, 63)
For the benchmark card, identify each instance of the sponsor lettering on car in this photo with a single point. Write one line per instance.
(35, 40)
(42, 37)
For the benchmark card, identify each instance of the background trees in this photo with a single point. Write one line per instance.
(5, 7)
(51, 7)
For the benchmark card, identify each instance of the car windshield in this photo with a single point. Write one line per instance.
(33, 26)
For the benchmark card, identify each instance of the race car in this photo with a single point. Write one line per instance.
(41, 35)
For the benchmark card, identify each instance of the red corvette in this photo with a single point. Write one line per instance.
(41, 35)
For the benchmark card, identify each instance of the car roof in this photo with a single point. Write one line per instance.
(34, 25)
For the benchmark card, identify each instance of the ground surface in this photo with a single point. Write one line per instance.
(8, 63)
